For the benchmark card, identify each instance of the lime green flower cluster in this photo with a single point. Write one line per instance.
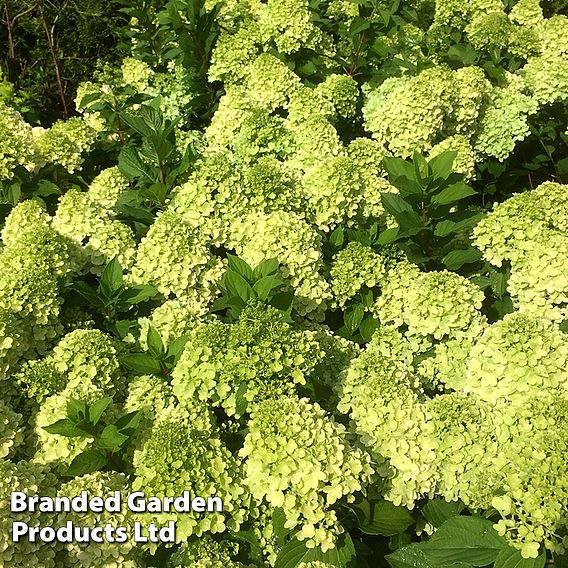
(207, 553)
(382, 398)
(529, 231)
(16, 141)
(84, 366)
(298, 458)
(32, 479)
(94, 554)
(87, 222)
(432, 305)
(10, 430)
(176, 259)
(234, 365)
(184, 453)
(64, 143)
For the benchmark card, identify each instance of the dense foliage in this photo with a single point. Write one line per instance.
(307, 257)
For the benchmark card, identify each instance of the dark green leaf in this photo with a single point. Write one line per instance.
(155, 343)
(111, 278)
(237, 286)
(457, 222)
(294, 552)
(76, 410)
(457, 258)
(97, 409)
(137, 294)
(397, 168)
(129, 421)
(141, 363)
(86, 462)
(65, 427)
(453, 194)
(132, 166)
(437, 511)
(511, 558)
(241, 267)
(368, 326)
(441, 165)
(137, 123)
(176, 347)
(388, 236)
(264, 286)
(337, 237)
(353, 317)
(111, 439)
(498, 281)
(414, 556)
(395, 204)
(88, 292)
(45, 188)
(465, 539)
(381, 517)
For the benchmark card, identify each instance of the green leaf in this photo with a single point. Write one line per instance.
(65, 427)
(457, 222)
(441, 165)
(395, 204)
(76, 410)
(437, 511)
(155, 343)
(498, 281)
(337, 238)
(388, 236)
(453, 194)
(241, 267)
(414, 556)
(457, 258)
(97, 409)
(45, 188)
(132, 166)
(353, 317)
(111, 439)
(111, 278)
(88, 293)
(141, 363)
(511, 558)
(136, 123)
(266, 268)
(175, 348)
(137, 294)
(381, 517)
(236, 285)
(466, 539)
(368, 326)
(129, 422)
(241, 403)
(397, 168)
(86, 462)
(123, 327)
(294, 552)
(264, 286)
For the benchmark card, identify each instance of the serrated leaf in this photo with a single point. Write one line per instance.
(453, 194)
(397, 168)
(368, 326)
(132, 166)
(111, 439)
(267, 267)
(414, 556)
(457, 258)
(97, 409)
(465, 539)
(236, 285)
(65, 427)
(136, 123)
(437, 511)
(87, 292)
(86, 462)
(511, 558)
